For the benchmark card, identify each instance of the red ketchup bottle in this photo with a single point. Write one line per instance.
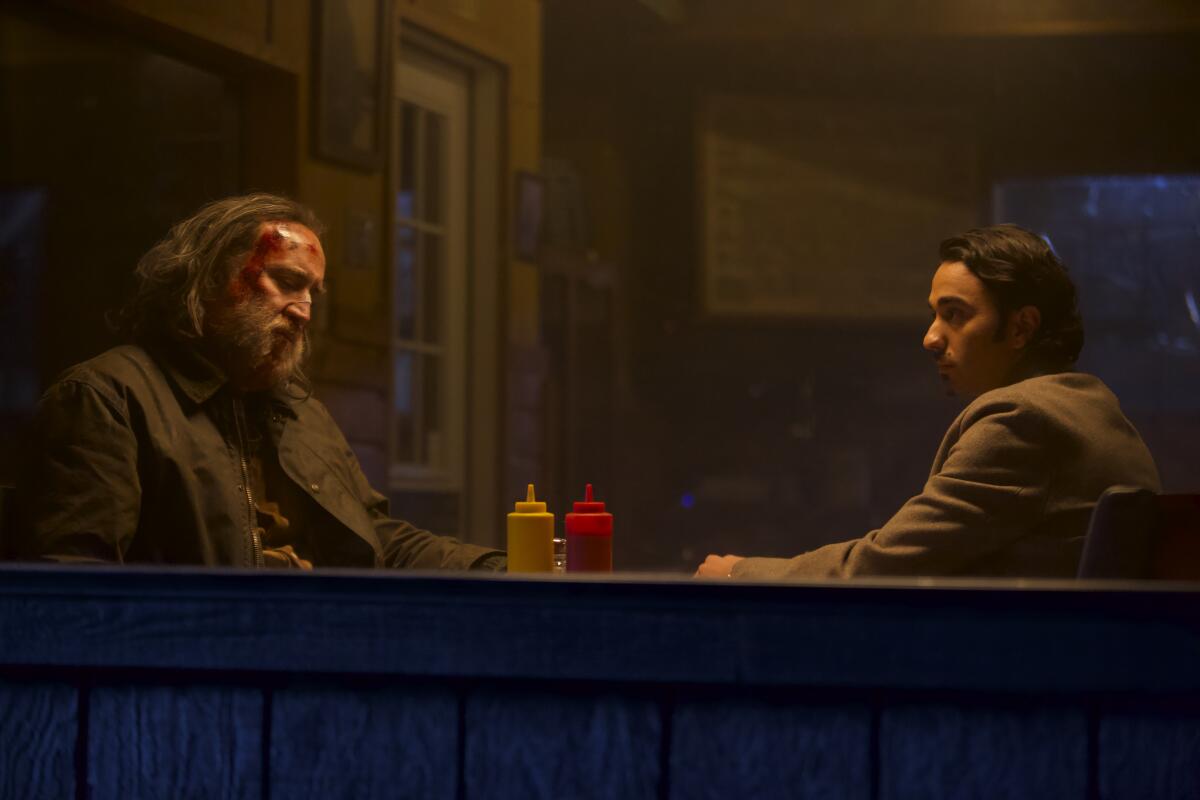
(589, 537)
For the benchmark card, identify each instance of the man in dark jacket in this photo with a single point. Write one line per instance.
(199, 443)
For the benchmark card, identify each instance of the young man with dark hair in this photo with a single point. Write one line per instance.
(198, 442)
(1018, 472)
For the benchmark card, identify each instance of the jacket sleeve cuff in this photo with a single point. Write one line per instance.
(761, 569)
(494, 561)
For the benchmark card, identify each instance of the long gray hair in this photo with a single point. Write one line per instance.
(179, 276)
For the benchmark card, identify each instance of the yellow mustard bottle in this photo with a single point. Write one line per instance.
(530, 537)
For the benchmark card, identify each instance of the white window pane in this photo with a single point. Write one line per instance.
(404, 407)
(431, 372)
(406, 196)
(434, 171)
(404, 280)
(431, 283)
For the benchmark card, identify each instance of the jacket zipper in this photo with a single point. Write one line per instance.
(252, 530)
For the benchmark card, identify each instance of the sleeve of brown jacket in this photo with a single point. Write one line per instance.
(80, 493)
(405, 545)
(993, 481)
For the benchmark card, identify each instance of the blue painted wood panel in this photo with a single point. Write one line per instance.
(562, 682)
(1148, 756)
(544, 745)
(178, 742)
(928, 635)
(754, 749)
(38, 729)
(944, 751)
(330, 742)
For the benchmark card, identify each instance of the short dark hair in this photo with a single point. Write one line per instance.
(178, 276)
(1018, 268)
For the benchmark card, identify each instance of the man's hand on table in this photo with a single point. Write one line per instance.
(285, 558)
(717, 566)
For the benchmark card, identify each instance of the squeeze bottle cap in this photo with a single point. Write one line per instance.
(531, 506)
(589, 506)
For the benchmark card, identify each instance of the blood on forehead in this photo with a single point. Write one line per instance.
(276, 238)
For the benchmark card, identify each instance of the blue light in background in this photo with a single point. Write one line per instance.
(688, 500)
(1130, 243)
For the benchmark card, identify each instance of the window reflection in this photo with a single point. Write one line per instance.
(407, 160)
(431, 160)
(403, 406)
(431, 301)
(404, 282)
(1130, 243)
(418, 286)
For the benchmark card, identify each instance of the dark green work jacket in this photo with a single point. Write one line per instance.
(140, 458)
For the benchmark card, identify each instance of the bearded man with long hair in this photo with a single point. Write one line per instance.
(199, 442)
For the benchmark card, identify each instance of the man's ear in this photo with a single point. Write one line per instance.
(1022, 325)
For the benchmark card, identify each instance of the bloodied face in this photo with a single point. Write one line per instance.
(259, 323)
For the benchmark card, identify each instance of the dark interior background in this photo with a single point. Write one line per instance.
(106, 143)
(764, 435)
(774, 436)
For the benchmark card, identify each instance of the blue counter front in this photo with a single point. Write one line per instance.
(123, 683)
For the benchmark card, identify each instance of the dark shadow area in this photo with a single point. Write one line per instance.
(105, 144)
(769, 431)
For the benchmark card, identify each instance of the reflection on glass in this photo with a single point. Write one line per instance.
(553, 307)
(593, 307)
(404, 204)
(431, 271)
(1130, 243)
(407, 161)
(431, 184)
(431, 372)
(404, 292)
(403, 407)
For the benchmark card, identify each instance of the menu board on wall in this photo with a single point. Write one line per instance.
(829, 209)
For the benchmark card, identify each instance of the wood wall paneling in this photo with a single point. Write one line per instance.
(764, 21)
(948, 751)
(624, 688)
(1148, 755)
(175, 742)
(543, 745)
(331, 742)
(38, 729)
(783, 750)
(270, 31)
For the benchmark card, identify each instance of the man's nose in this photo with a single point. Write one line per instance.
(934, 342)
(300, 311)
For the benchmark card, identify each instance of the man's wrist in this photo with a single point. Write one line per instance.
(492, 562)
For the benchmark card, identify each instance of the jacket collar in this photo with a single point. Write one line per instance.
(198, 378)
(195, 376)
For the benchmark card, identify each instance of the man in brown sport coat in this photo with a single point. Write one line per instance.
(1019, 471)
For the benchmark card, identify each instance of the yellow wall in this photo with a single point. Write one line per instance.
(508, 33)
(247, 27)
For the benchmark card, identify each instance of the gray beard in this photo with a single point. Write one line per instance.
(250, 338)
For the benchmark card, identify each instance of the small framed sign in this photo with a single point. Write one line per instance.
(351, 44)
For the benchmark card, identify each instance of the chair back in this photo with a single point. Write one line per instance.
(1176, 555)
(1135, 533)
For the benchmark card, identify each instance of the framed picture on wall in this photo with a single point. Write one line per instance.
(350, 68)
